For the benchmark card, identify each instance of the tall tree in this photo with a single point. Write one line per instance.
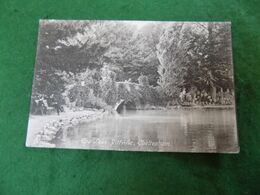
(194, 54)
(172, 54)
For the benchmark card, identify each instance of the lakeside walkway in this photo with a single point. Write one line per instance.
(37, 123)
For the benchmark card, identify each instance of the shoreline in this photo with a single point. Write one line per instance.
(43, 130)
(187, 107)
(208, 106)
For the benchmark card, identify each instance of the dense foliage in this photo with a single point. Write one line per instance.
(96, 63)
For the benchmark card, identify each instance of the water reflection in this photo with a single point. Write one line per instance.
(197, 130)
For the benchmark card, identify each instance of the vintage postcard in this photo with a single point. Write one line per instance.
(134, 86)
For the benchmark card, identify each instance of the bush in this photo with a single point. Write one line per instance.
(143, 80)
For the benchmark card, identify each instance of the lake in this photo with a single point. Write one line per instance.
(181, 130)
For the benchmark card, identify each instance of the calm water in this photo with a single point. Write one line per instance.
(198, 130)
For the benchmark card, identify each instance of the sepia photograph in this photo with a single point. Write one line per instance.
(134, 86)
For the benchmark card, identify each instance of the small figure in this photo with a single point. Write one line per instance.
(182, 95)
(55, 104)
